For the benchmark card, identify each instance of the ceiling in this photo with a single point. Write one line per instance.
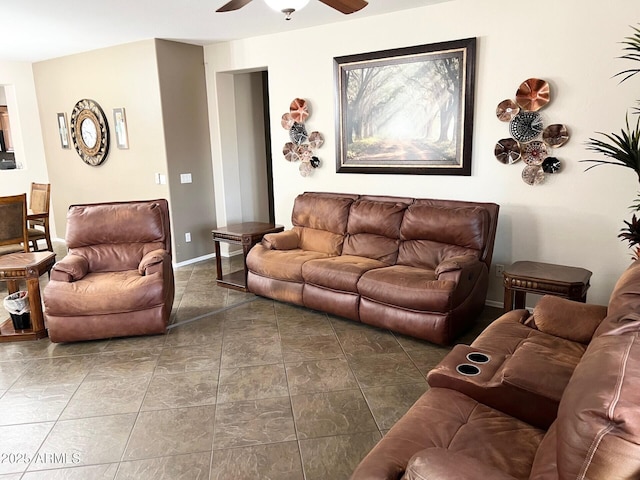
(35, 30)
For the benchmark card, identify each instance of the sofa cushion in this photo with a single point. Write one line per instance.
(371, 246)
(442, 464)
(598, 419)
(407, 287)
(280, 264)
(429, 254)
(373, 230)
(95, 224)
(105, 293)
(319, 240)
(448, 419)
(540, 369)
(430, 234)
(622, 314)
(512, 330)
(568, 319)
(115, 236)
(462, 226)
(338, 273)
(322, 211)
(376, 217)
(505, 334)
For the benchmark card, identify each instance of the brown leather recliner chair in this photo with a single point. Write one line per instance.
(117, 279)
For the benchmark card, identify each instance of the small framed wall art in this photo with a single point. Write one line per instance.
(63, 130)
(120, 125)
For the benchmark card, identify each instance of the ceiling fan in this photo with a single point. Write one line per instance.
(289, 6)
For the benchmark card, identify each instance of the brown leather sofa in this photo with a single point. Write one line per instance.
(559, 398)
(117, 279)
(415, 266)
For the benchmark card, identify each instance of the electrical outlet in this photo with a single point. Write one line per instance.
(499, 270)
(187, 237)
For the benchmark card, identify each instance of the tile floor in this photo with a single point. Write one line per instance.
(262, 390)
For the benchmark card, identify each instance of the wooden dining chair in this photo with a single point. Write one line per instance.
(13, 224)
(38, 228)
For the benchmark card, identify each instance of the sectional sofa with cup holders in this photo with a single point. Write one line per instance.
(550, 395)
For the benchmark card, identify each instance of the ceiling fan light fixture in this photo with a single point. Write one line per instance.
(286, 6)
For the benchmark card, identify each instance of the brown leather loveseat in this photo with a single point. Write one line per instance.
(117, 279)
(558, 398)
(415, 266)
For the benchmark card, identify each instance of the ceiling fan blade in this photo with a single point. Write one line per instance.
(233, 5)
(346, 6)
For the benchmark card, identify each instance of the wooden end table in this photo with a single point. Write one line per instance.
(543, 278)
(245, 234)
(25, 266)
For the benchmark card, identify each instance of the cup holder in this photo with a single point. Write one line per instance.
(477, 357)
(467, 369)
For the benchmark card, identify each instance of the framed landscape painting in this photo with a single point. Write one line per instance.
(406, 110)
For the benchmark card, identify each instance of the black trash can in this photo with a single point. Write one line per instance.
(17, 304)
(21, 321)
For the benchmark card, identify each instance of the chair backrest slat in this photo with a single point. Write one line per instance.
(13, 220)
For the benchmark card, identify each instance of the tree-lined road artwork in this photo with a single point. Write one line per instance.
(403, 113)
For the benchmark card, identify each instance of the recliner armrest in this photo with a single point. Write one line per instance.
(70, 268)
(456, 263)
(568, 319)
(442, 464)
(154, 262)
(287, 240)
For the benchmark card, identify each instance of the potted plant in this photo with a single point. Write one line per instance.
(624, 149)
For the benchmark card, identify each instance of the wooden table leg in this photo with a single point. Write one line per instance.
(520, 298)
(508, 299)
(245, 251)
(35, 304)
(12, 286)
(216, 246)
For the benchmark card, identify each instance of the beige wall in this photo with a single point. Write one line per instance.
(572, 219)
(124, 76)
(161, 86)
(183, 97)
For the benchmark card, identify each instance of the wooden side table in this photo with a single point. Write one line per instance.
(245, 234)
(25, 266)
(543, 278)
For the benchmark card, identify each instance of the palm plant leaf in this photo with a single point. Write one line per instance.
(622, 150)
(635, 206)
(631, 231)
(632, 49)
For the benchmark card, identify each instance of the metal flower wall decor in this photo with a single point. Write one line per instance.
(302, 146)
(530, 140)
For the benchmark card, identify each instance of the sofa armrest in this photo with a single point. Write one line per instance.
(287, 240)
(453, 264)
(153, 262)
(70, 269)
(442, 464)
(568, 319)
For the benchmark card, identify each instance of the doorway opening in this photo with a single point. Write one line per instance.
(254, 146)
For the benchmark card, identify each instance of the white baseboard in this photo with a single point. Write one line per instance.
(194, 260)
(494, 303)
(203, 258)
